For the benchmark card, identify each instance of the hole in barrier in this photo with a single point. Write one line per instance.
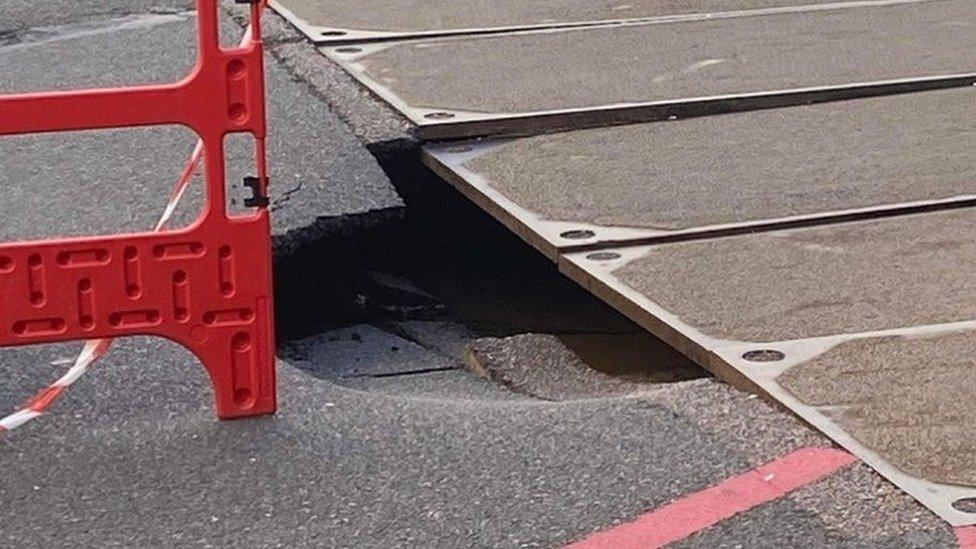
(230, 31)
(102, 53)
(240, 163)
(95, 183)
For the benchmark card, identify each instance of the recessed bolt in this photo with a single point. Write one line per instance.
(603, 256)
(578, 234)
(440, 115)
(966, 505)
(764, 355)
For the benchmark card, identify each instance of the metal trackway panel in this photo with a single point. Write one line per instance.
(536, 81)
(864, 329)
(717, 175)
(333, 21)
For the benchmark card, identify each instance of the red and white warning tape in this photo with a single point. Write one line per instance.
(95, 349)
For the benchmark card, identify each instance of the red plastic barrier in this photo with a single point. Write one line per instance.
(207, 287)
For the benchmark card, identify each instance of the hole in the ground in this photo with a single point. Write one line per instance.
(446, 260)
(638, 357)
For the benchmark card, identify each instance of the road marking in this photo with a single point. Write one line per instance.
(695, 512)
(966, 537)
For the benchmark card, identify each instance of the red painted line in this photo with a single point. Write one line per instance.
(966, 537)
(695, 512)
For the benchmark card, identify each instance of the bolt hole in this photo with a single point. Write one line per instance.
(6, 264)
(237, 112)
(578, 234)
(130, 253)
(332, 33)
(226, 288)
(603, 256)
(241, 341)
(34, 261)
(179, 277)
(236, 69)
(349, 50)
(87, 321)
(225, 252)
(132, 289)
(966, 505)
(764, 355)
(37, 297)
(440, 115)
(84, 284)
(244, 398)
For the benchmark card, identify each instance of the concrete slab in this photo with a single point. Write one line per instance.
(538, 81)
(904, 397)
(361, 20)
(751, 307)
(802, 283)
(118, 181)
(724, 174)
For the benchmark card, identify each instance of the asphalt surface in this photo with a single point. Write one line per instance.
(120, 179)
(133, 455)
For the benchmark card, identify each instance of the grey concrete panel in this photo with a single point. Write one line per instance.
(751, 307)
(357, 20)
(726, 173)
(906, 398)
(531, 82)
(848, 278)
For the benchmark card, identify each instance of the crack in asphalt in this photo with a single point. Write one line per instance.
(284, 197)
